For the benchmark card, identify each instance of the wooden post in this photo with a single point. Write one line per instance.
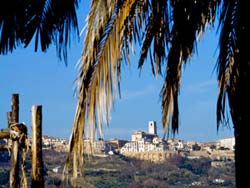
(14, 171)
(15, 108)
(37, 180)
(9, 118)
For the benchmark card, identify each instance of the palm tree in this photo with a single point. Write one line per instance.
(167, 33)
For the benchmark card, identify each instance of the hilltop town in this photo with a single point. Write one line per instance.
(177, 163)
(149, 146)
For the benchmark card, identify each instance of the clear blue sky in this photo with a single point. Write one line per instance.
(41, 79)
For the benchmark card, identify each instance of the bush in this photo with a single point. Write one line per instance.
(196, 166)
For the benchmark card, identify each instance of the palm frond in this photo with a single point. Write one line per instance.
(113, 26)
(170, 90)
(226, 67)
(157, 32)
(8, 27)
(189, 22)
(48, 21)
(99, 72)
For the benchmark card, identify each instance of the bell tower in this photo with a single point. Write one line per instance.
(152, 129)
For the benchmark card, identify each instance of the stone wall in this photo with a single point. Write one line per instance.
(156, 156)
(160, 156)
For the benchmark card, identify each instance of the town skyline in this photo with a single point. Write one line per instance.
(133, 136)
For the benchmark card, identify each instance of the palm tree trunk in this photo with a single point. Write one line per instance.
(239, 101)
(239, 97)
(242, 150)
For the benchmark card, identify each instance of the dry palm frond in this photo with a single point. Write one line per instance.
(110, 24)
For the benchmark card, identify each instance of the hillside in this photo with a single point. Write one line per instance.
(114, 171)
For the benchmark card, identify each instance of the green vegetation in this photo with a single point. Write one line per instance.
(118, 171)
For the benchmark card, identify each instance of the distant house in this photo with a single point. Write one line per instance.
(94, 146)
(147, 136)
(193, 146)
(138, 135)
(116, 144)
(226, 143)
(57, 144)
(101, 146)
(175, 144)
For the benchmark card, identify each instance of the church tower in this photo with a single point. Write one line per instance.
(152, 129)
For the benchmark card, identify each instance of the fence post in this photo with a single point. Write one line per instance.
(9, 118)
(37, 180)
(14, 170)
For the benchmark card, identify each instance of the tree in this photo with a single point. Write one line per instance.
(167, 33)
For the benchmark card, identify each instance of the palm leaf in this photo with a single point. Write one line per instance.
(226, 66)
(47, 21)
(8, 27)
(157, 32)
(100, 69)
(189, 21)
(112, 29)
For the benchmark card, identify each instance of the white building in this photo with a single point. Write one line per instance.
(152, 129)
(138, 135)
(144, 142)
(227, 143)
(142, 146)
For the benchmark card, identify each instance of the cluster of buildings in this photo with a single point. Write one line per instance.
(145, 142)
(149, 141)
(148, 145)
(58, 144)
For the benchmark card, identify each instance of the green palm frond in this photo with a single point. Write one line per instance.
(58, 24)
(47, 21)
(226, 66)
(156, 32)
(170, 90)
(8, 26)
(189, 22)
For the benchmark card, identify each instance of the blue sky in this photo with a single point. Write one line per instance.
(41, 79)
